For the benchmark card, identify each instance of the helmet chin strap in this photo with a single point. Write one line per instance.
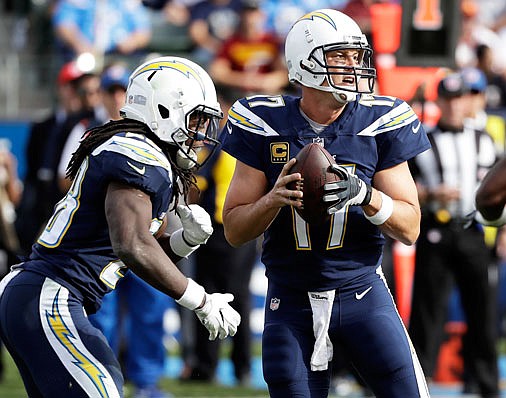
(343, 97)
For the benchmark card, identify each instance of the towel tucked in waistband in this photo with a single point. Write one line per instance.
(321, 305)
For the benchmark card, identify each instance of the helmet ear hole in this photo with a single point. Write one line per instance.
(164, 112)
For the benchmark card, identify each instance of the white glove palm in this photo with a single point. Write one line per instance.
(219, 318)
(197, 226)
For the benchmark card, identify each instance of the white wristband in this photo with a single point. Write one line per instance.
(179, 246)
(491, 223)
(384, 213)
(192, 296)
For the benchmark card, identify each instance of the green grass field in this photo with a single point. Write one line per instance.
(12, 387)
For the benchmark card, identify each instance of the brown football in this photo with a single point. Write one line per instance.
(313, 163)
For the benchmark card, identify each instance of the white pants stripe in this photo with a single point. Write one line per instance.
(423, 389)
(62, 334)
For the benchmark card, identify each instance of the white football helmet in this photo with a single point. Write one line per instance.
(177, 99)
(317, 33)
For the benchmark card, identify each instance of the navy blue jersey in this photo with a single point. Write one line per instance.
(74, 249)
(372, 134)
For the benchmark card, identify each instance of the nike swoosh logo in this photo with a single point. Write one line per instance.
(360, 296)
(415, 129)
(140, 170)
(229, 128)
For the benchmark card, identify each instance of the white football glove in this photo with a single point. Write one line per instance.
(499, 222)
(197, 226)
(219, 318)
(351, 190)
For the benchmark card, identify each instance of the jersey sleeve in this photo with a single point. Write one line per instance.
(146, 177)
(137, 162)
(243, 136)
(401, 136)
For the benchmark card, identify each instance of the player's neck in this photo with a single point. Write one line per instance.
(320, 107)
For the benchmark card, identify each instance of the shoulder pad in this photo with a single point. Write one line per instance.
(136, 147)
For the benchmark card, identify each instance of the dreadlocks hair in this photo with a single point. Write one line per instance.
(95, 136)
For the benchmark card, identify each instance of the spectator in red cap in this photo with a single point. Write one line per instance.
(68, 72)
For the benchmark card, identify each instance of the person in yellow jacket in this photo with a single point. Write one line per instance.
(224, 268)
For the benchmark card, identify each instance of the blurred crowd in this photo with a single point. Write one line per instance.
(240, 43)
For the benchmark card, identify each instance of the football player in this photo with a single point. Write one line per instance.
(124, 174)
(326, 286)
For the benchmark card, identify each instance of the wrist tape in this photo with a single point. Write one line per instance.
(192, 296)
(179, 245)
(384, 213)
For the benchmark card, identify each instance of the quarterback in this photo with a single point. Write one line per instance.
(326, 286)
(125, 175)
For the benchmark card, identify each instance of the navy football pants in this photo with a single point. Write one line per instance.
(368, 329)
(56, 349)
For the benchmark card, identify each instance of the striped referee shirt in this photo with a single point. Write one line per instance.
(457, 159)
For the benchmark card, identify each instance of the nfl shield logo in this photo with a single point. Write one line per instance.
(319, 140)
(274, 304)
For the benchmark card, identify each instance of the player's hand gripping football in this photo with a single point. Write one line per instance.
(286, 190)
(197, 227)
(219, 318)
(351, 190)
